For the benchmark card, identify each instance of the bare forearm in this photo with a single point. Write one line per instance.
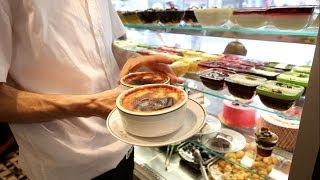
(24, 107)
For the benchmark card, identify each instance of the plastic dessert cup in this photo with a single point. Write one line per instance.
(148, 16)
(251, 18)
(302, 69)
(277, 65)
(278, 95)
(190, 17)
(243, 85)
(266, 141)
(213, 16)
(214, 78)
(296, 78)
(294, 18)
(172, 16)
(270, 75)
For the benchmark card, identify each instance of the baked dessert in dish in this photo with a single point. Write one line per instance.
(266, 141)
(213, 16)
(149, 16)
(153, 98)
(270, 75)
(302, 69)
(287, 130)
(279, 95)
(214, 78)
(238, 116)
(243, 85)
(158, 106)
(296, 78)
(252, 18)
(141, 78)
(277, 65)
(294, 18)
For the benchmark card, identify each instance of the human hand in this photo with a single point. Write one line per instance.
(156, 63)
(103, 103)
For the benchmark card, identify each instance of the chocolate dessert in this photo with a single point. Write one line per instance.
(243, 85)
(149, 15)
(189, 17)
(171, 16)
(265, 140)
(279, 95)
(214, 79)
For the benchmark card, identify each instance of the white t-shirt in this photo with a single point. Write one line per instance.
(62, 47)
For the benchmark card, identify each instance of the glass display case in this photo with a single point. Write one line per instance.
(246, 122)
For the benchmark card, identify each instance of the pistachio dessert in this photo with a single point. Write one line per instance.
(279, 95)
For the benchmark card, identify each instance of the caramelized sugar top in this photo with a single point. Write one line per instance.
(152, 99)
(146, 78)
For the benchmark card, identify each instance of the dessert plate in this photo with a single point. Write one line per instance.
(237, 141)
(192, 124)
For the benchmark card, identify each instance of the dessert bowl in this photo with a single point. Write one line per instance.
(152, 110)
(302, 69)
(294, 18)
(243, 85)
(148, 16)
(214, 78)
(172, 16)
(252, 18)
(279, 95)
(269, 74)
(142, 78)
(282, 66)
(190, 17)
(213, 16)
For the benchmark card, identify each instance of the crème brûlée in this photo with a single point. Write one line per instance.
(153, 98)
(142, 78)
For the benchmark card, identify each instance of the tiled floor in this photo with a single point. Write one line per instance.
(9, 169)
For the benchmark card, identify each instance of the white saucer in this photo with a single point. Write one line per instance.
(238, 141)
(192, 125)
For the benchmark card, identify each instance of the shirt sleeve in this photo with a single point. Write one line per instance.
(118, 29)
(5, 39)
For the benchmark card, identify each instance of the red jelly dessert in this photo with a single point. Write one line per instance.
(238, 116)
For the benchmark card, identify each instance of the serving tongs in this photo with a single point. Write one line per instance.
(198, 159)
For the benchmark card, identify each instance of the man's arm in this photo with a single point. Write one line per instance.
(25, 107)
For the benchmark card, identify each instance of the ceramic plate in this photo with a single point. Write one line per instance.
(238, 141)
(192, 125)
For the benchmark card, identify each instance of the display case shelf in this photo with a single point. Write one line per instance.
(225, 95)
(306, 36)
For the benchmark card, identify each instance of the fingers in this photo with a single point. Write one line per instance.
(135, 63)
(163, 68)
(155, 59)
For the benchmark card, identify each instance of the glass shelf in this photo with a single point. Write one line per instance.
(225, 95)
(307, 36)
